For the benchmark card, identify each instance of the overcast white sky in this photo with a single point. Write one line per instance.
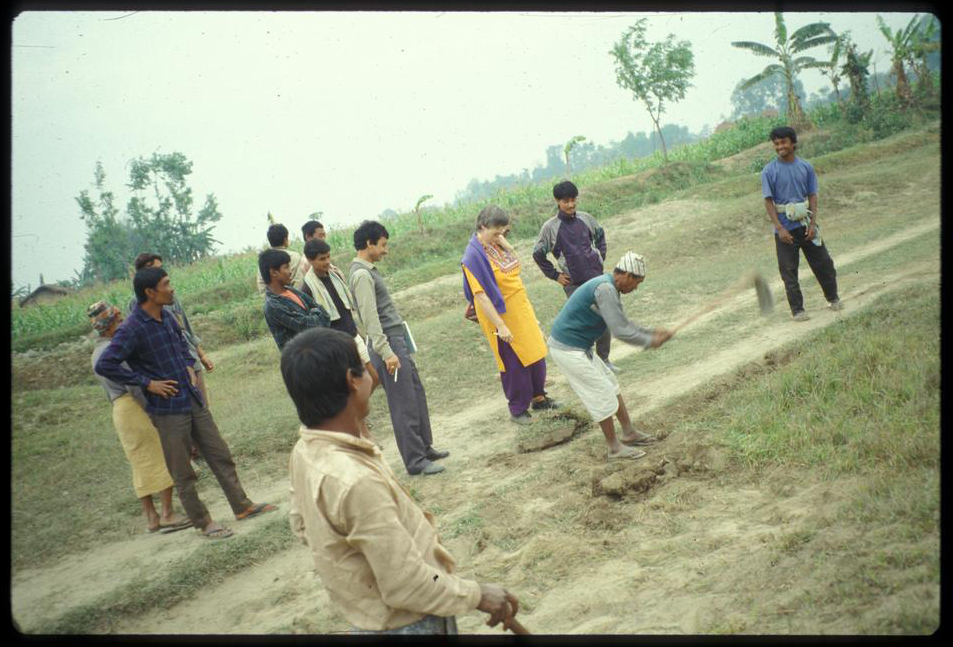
(344, 113)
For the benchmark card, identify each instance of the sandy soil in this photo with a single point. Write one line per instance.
(687, 548)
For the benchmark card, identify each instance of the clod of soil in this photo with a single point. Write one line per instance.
(550, 431)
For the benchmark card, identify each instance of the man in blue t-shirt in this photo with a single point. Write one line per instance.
(789, 188)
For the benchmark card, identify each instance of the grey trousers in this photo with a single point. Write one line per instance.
(603, 343)
(407, 403)
(177, 433)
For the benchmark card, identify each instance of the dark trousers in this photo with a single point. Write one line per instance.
(603, 343)
(177, 433)
(818, 259)
(520, 383)
(407, 403)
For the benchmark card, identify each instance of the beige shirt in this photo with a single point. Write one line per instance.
(377, 553)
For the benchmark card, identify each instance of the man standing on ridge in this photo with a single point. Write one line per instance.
(789, 188)
(578, 243)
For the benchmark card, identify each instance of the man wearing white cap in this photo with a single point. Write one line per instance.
(592, 309)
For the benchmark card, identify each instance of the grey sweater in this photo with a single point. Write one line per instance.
(374, 304)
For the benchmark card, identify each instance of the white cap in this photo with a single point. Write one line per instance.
(632, 263)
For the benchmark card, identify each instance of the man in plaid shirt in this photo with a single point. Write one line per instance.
(151, 342)
(288, 311)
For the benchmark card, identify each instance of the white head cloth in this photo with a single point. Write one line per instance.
(632, 263)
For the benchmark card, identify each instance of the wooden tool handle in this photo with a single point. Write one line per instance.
(514, 625)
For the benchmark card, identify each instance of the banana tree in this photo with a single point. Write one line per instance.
(568, 147)
(789, 64)
(420, 201)
(901, 44)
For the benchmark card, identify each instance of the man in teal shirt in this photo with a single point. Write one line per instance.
(591, 310)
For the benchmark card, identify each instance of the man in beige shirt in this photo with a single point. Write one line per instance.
(376, 552)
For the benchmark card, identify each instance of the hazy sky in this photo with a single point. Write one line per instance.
(344, 113)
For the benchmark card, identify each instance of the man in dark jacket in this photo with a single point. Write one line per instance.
(578, 243)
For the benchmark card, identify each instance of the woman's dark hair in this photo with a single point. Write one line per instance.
(565, 189)
(307, 229)
(369, 231)
(783, 131)
(277, 235)
(147, 277)
(271, 259)
(314, 366)
(315, 247)
(492, 216)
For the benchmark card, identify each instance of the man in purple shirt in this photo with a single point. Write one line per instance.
(151, 342)
(789, 188)
(578, 243)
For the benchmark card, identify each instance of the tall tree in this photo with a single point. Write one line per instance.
(901, 45)
(768, 94)
(926, 42)
(789, 64)
(108, 236)
(832, 69)
(655, 73)
(159, 217)
(855, 68)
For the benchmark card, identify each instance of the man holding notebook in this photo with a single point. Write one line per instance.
(390, 348)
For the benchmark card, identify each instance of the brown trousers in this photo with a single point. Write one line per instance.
(177, 433)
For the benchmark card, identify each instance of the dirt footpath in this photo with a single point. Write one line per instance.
(690, 554)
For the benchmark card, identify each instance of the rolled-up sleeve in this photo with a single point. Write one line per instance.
(404, 578)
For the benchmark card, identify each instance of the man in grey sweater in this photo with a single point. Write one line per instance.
(389, 354)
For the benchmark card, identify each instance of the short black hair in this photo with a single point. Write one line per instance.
(147, 277)
(565, 189)
(315, 247)
(314, 366)
(145, 258)
(369, 231)
(277, 235)
(783, 131)
(307, 229)
(271, 259)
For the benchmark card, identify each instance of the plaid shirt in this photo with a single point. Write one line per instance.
(285, 318)
(154, 350)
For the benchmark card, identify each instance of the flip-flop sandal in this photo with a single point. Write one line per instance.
(642, 439)
(255, 510)
(156, 529)
(221, 533)
(628, 453)
(175, 527)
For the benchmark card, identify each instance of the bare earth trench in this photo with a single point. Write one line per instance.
(683, 559)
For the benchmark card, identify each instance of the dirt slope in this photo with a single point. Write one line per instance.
(689, 535)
